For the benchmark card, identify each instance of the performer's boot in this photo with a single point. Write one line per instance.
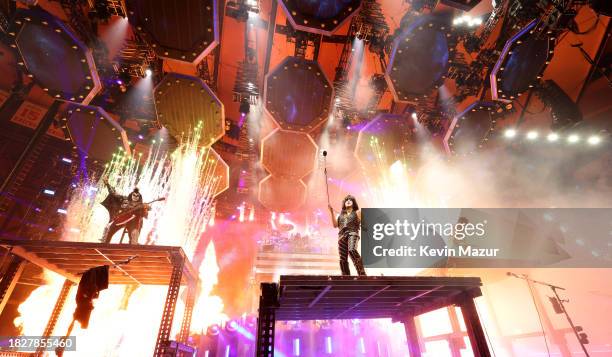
(344, 267)
(359, 266)
(356, 258)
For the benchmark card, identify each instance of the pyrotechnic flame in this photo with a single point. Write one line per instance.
(208, 309)
(186, 178)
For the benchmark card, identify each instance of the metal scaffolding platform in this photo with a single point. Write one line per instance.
(151, 265)
(130, 265)
(350, 297)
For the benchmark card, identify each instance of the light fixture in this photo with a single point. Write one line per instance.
(148, 72)
(552, 137)
(49, 192)
(213, 330)
(594, 140)
(414, 116)
(245, 107)
(532, 135)
(573, 138)
(510, 133)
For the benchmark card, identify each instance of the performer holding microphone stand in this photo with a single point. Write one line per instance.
(348, 222)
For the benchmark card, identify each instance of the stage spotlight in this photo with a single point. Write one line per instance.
(245, 107)
(467, 21)
(552, 137)
(414, 116)
(573, 138)
(213, 330)
(49, 192)
(232, 326)
(510, 133)
(594, 140)
(148, 72)
(532, 135)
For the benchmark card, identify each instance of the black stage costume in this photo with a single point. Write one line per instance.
(118, 206)
(348, 238)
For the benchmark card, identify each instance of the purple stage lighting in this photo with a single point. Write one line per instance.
(213, 330)
(296, 346)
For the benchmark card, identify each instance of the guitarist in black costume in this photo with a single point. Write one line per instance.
(125, 212)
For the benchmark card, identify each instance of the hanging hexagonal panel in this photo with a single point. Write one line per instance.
(420, 57)
(288, 154)
(386, 139)
(298, 94)
(94, 133)
(522, 62)
(184, 30)
(281, 194)
(184, 101)
(218, 168)
(319, 16)
(53, 56)
(470, 130)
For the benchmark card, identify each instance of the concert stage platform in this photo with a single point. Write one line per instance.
(130, 265)
(151, 264)
(350, 297)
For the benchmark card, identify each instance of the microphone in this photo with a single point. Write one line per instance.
(324, 152)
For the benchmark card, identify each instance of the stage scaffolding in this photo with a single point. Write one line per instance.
(305, 297)
(130, 265)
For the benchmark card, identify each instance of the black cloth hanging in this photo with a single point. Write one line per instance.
(92, 282)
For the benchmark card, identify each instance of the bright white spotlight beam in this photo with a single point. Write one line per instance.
(594, 140)
(510, 133)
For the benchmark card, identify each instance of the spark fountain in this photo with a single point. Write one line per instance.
(188, 179)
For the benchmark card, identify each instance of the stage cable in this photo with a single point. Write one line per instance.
(539, 317)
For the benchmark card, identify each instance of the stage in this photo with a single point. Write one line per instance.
(129, 265)
(303, 297)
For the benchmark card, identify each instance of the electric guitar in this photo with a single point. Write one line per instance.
(128, 215)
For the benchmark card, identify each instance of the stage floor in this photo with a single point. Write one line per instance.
(302, 297)
(151, 265)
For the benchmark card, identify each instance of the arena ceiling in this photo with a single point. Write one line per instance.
(295, 63)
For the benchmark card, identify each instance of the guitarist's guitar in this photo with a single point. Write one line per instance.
(128, 215)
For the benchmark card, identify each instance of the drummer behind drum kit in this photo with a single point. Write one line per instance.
(282, 240)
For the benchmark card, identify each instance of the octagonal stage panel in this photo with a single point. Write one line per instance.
(217, 170)
(183, 101)
(298, 94)
(184, 30)
(53, 57)
(288, 154)
(471, 129)
(386, 139)
(420, 57)
(280, 194)
(319, 16)
(521, 63)
(94, 133)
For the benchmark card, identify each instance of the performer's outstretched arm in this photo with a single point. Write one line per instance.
(110, 188)
(333, 216)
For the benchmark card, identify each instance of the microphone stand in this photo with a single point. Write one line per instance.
(325, 171)
(554, 289)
